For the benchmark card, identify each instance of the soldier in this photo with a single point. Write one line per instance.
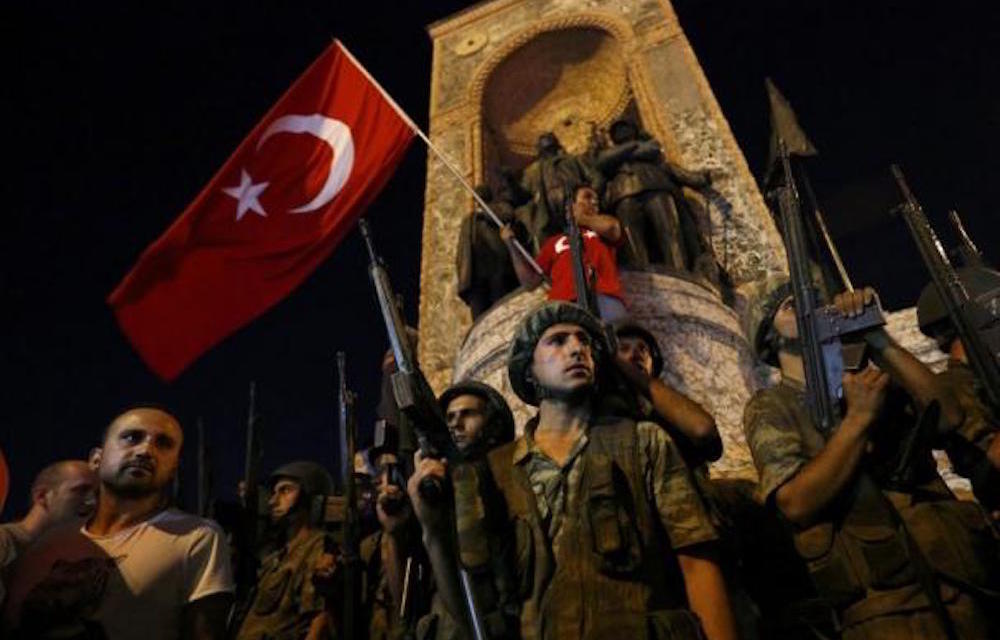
(974, 449)
(605, 521)
(692, 428)
(479, 421)
(601, 234)
(547, 179)
(644, 193)
(485, 271)
(286, 603)
(889, 549)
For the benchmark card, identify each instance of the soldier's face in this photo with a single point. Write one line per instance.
(635, 350)
(283, 498)
(140, 453)
(466, 417)
(563, 360)
(784, 320)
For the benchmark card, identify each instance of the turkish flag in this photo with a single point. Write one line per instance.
(277, 208)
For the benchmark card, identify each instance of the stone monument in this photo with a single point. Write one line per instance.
(508, 70)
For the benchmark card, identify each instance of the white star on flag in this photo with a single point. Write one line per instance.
(246, 195)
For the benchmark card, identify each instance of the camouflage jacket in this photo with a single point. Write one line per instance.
(972, 439)
(286, 600)
(597, 536)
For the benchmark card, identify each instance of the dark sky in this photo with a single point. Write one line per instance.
(118, 116)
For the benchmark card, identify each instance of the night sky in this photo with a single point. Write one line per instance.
(117, 117)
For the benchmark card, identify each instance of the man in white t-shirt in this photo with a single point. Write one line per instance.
(136, 569)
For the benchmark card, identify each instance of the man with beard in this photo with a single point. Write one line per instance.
(136, 569)
(286, 602)
(611, 538)
(62, 492)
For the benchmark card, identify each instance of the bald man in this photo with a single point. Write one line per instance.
(62, 492)
(136, 568)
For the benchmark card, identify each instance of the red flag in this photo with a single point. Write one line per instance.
(269, 217)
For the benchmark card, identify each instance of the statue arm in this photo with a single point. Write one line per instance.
(608, 161)
(693, 179)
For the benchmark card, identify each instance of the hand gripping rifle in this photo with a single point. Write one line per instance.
(416, 400)
(350, 548)
(820, 328)
(977, 326)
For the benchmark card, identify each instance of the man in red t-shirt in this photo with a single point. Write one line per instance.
(601, 234)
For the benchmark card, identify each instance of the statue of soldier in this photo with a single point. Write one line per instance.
(890, 551)
(286, 603)
(644, 193)
(547, 179)
(974, 448)
(604, 520)
(485, 272)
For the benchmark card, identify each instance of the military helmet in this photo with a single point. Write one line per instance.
(932, 315)
(312, 477)
(499, 427)
(763, 302)
(630, 328)
(522, 348)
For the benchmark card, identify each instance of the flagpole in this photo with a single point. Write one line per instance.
(440, 155)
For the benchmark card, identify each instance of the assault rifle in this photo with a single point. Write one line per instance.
(350, 548)
(247, 533)
(416, 400)
(584, 286)
(820, 328)
(977, 326)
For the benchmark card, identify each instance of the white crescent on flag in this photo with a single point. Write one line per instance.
(336, 134)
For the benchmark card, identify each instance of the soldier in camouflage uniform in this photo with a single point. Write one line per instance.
(888, 548)
(974, 448)
(286, 605)
(479, 421)
(610, 538)
(692, 428)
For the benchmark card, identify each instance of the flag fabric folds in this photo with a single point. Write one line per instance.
(275, 210)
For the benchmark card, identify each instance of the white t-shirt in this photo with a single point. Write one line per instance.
(132, 584)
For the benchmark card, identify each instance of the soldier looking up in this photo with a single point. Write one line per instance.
(286, 604)
(888, 548)
(974, 448)
(602, 512)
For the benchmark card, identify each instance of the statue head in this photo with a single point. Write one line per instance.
(623, 130)
(485, 192)
(548, 145)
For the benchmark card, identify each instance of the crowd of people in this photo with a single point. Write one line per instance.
(599, 521)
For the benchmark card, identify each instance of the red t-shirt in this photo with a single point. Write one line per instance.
(556, 260)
